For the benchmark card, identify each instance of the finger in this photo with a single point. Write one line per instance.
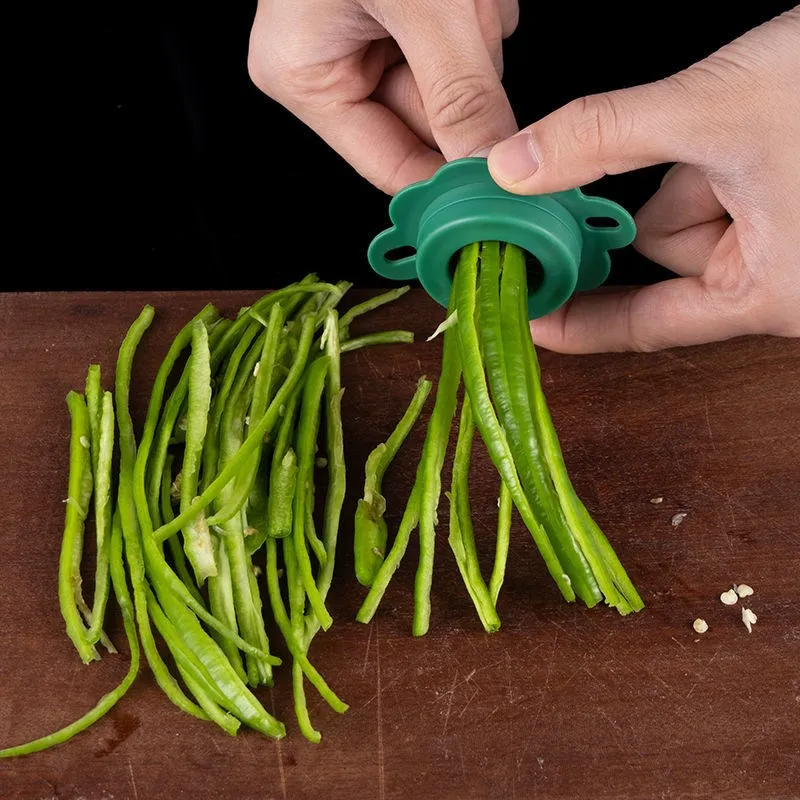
(375, 141)
(464, 100)
(509, 15)
(673, 313)
(681, 225)
(669, 120)
(379, 145)
(494, 20)
(399, 92)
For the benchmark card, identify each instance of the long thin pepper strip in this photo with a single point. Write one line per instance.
(102, 515)
(433, 455)
(196, 535)
(101, 480)
(462, 537)
(253, 440)
(258, 406)
(129, 520)
(305, 447)
(147, 509)
(366, 306)
(613, 581)
(464, 289)
(293, 641)
(504, 351)
(505, 506)
(109, 700)
(370, 529)
(78, 499)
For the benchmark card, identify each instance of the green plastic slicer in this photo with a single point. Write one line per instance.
(568, 233)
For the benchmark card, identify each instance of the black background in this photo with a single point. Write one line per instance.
(156, 164)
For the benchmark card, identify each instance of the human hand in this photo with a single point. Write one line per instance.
(394, 86)
(727, 216)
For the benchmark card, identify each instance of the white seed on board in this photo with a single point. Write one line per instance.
(743, 590)
(656, 501)
(729, 598)
(700, 625)
(678, 518)
(749, 619)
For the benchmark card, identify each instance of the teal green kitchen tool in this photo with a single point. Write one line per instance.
(568, 233)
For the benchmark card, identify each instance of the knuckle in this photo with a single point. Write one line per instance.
(262, 67)
(259, 74)
(510, 17)
(601, 123)
(456, 100)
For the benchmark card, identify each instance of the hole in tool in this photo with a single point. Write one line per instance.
(535, 272)
(399, 253)
(533, 268)
(602, 223)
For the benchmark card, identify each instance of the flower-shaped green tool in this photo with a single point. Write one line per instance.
(568, 233)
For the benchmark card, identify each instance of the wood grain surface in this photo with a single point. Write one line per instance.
(562, 702)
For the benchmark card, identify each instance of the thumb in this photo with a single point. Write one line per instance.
(605, 134)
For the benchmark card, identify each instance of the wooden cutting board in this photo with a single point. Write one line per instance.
(562, 702)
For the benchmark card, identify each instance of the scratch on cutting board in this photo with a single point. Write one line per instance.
(279, 751)
(471, 698)
(133, 781)
(381, 767)
(684, 361)
(461, 757)
(449, 703)
(550, 662)
(702, 674)
(366, 654)
(384, 687)
(708, 425)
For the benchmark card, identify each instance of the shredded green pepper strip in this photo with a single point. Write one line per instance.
(223, 606)
(433, 455)
(395, 555)
(176, 551)
(194, 674)
(337, 477)
(305, 448)
(196, 535)
(220, 401)
(109, 700)
(462, 537)
(157, 455)
(258, 407)
(128, 517)
(368, 305)
(370, 529)
(504, 510)
(464, 290)
(253, 440)
(372, 339)
(293, 641)
(102, 515)
(613, 581)
(231, 531)
(505, 368)
(78, 499)
(247, 707)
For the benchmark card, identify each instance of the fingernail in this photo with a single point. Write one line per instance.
(515, 159)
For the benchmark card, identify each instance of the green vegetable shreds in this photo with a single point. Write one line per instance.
(488, 351)
(241, 411)
(212, 522)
